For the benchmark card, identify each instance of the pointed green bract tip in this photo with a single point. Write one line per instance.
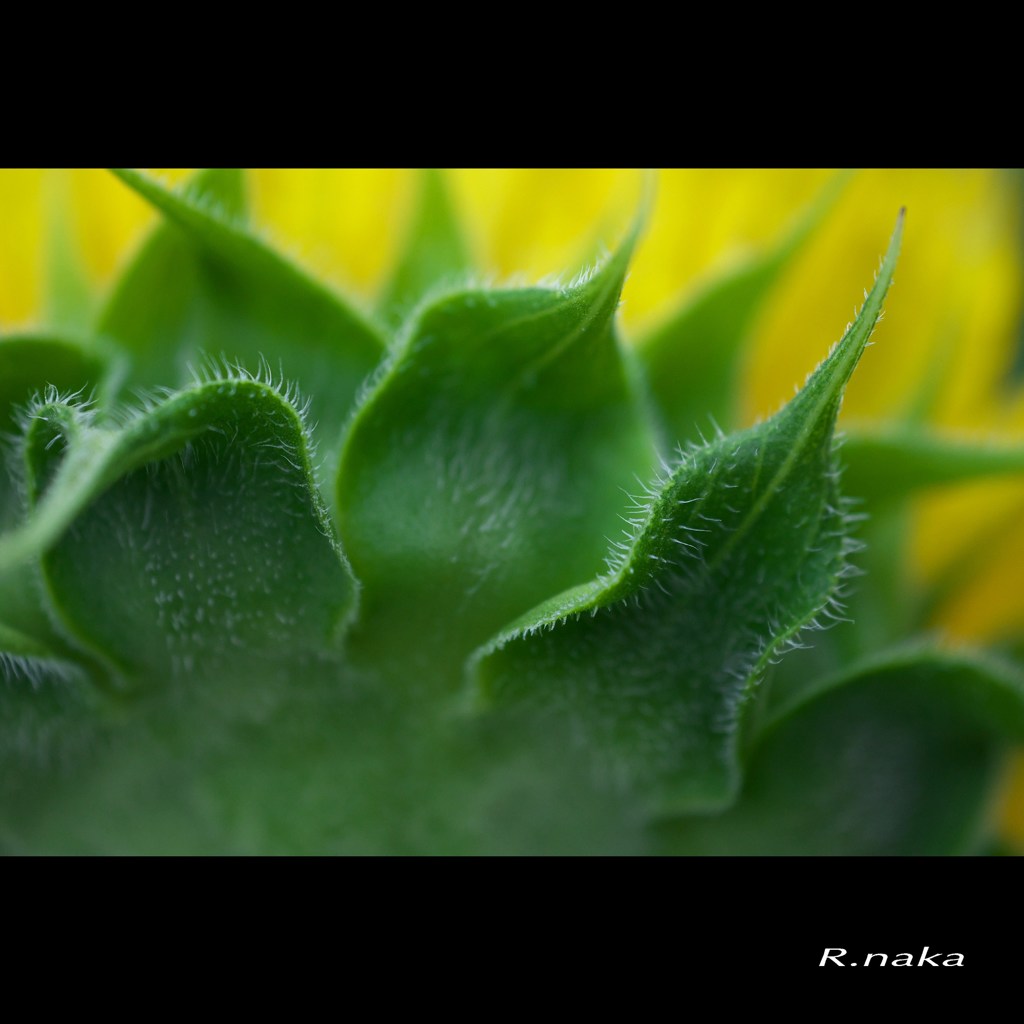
(610, 275)
(850, 348)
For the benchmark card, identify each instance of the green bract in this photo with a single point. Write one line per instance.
(483, 588)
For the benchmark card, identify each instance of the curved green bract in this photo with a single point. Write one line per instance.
(729, 557)
(191, 540)
(488, 465)
(894, 756)
(30, 364)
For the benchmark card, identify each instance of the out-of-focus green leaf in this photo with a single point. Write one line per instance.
(488, 465)
(733, 554)
(893, 756)
(435, 252)
(156, 311)
(893, 462)
(69, 299)
(693, 359)
(238, 299)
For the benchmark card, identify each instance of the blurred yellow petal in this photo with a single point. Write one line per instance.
(957, 296)
(21, 245)
(968, 544)
(105, 222)
(109, 219)
(1011, 820)
(705, 220)
(345, 225)
(537, 223)
(547, 222)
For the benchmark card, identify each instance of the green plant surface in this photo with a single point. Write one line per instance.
(280, 576)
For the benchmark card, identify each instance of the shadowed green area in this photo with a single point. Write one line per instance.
(894, 756)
